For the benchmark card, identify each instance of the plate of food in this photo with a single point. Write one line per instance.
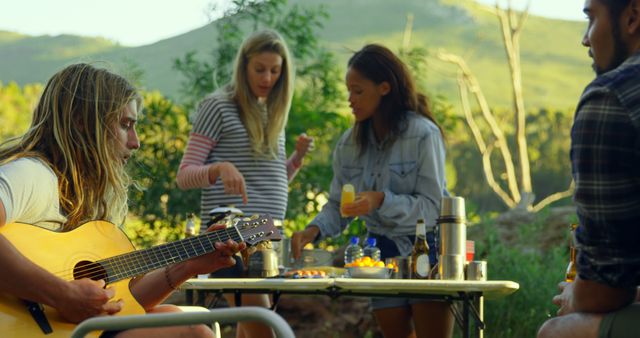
(315, 272)
(368, 272)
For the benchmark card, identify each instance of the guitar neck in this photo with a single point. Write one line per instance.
(142, 261)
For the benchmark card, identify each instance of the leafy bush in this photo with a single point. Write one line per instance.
(538, 273)
(159, 204)
(16, 107)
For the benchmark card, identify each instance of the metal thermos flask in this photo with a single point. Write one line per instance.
(453, 238)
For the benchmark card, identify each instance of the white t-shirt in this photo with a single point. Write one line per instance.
(29, 192)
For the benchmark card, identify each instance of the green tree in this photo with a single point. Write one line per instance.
(16, 108)
(163, 131)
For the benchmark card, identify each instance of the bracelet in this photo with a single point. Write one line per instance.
(166, 276)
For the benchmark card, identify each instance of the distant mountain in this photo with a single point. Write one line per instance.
(27, 59)
(555, 65)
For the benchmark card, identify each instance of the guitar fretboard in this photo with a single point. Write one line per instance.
(142, 261)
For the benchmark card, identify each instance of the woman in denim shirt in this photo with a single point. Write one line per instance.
(394, 156)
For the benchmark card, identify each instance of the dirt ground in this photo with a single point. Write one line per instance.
(310, 316)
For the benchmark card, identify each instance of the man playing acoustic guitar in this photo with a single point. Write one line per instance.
(66, 170)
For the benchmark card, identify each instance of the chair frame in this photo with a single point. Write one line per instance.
(228, 315)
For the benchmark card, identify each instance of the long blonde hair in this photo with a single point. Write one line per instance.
(72, 132)
(263, 142)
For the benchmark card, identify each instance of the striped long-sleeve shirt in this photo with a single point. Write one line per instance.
(218, 135)
(605, 156)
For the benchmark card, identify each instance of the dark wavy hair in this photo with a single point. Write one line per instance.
(379, 64)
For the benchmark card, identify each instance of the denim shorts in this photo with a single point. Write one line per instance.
(389, 249)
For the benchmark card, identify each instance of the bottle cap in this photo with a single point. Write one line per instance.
(452, 210)
(371, 241)
(355, 240)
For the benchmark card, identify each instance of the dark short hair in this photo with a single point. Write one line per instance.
(615, 7)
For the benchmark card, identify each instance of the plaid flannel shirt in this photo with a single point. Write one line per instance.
(605, 157)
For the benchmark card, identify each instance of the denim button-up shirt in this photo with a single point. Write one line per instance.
(409, 169)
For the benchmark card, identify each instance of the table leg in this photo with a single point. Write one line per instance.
(238, 298)
(465, 316)
(276, 299)
(480, 331)
(456, 313)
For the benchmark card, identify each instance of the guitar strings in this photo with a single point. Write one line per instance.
(132, 259)
(97, 269)
(153, 257)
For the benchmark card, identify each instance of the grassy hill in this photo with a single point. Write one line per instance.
(555, 66)
(27, 59)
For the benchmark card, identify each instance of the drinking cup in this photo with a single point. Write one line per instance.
(402, 267)
(477, 270)
(348, 196)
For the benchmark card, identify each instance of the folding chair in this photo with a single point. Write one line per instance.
(228, 315)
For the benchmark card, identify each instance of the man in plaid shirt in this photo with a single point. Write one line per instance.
(605, 156)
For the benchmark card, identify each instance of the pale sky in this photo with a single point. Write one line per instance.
(558, 9)
(142, 22)
(129, 22)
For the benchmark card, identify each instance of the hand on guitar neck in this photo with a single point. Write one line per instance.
(222, 257)
(146, 290)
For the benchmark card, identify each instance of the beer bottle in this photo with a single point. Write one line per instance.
(571, 268)
(420, 266)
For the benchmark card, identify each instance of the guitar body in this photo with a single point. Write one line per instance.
(99, 250)
(60, 252)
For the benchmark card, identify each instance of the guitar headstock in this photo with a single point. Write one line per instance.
(258, 228)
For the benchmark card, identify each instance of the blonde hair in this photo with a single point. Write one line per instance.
(263, 142)
(72, 132)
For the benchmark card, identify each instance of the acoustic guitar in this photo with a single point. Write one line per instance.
(100, 250)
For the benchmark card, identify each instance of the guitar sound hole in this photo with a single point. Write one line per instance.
(91, 270)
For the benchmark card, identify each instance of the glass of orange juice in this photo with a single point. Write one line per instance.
(348, 196)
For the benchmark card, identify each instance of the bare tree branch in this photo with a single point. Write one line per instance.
(488, 169)
(475, 130)
(474, 88)
(519, 193)
(484, 150)
(408, 28)
(510, 33)
(555, 197)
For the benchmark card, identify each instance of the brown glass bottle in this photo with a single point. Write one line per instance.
(571, 268)
(420, 266)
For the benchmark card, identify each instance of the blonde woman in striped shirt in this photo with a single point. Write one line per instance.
(236, 149)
